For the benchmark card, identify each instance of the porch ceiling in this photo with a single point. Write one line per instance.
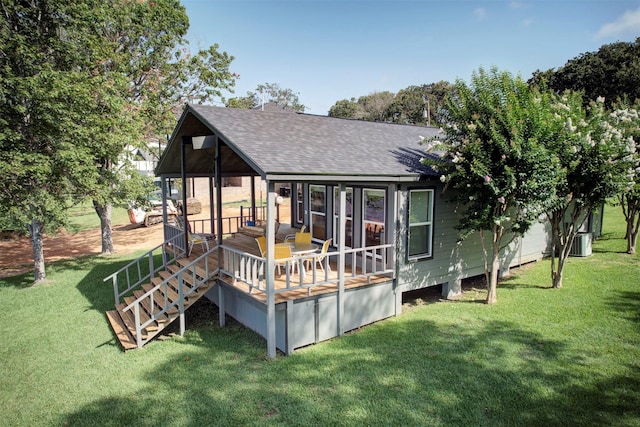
(199, 162)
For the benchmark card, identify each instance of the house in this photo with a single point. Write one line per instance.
(361, 185)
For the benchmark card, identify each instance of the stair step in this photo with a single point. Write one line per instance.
(200, 270)
(145, 314)
(158, 302)
(122, 333)
(129, 319)
(172, 269)
(123, 323)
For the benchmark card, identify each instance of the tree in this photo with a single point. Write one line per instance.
(82, 81)
(595, 157)
(628, 121)
(344, 109)
(494, 160)
(265, 93)
(46, 108)
(612, 72)
(374, 107)
(145, 58)
(419, 105)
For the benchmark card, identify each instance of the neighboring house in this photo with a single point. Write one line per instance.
(143, 160)
(358, 183)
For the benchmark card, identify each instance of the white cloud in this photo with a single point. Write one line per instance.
(480, 13)
(527, 22)
(627, 24)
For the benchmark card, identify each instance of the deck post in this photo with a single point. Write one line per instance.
(342, 213)
(218, 181)
(181, 303)
(271, 298)
(253, 199)
(183, 175)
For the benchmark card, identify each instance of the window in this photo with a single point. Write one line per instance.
(318, 208)
(348, 219)
(373, 215)
(420, 236)
(299, 204)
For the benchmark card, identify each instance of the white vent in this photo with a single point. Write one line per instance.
(581, 245)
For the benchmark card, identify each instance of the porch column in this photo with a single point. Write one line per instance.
(253, 198)
(183, 168)
(163, 189)
(212, 216)
(270, 270)
(342, 223)
(218, 180)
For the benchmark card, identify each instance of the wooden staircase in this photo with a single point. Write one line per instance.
(159, 302)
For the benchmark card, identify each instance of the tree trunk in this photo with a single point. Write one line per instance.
(633, 226)
(556, 276)
(104, 212)
(631, 242)
(492, 286)
(554, 244)
(492, 294)
(35, 233)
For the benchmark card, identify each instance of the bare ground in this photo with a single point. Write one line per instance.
(17, 254)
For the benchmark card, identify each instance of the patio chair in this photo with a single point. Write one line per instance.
(262, 245)
(291, 237)
(201, 239)
(323, 253)
(282, 255)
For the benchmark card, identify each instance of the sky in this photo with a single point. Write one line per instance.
(326, 51)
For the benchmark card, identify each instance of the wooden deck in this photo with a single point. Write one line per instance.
(249, 245)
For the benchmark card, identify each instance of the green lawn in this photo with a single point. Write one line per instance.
(539, 357)
(83, 217)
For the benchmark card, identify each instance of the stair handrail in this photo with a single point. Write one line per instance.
(166, 306)
(168, 257)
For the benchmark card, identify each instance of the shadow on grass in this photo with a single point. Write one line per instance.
(20, 281)
(628, 304)
(99, 293)
(413, 373)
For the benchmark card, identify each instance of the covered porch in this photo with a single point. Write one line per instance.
(349, 286)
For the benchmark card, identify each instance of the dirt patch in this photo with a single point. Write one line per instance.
(17, 254)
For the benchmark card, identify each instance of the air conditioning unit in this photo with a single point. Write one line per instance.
(581, 245)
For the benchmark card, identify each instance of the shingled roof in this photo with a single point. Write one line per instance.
(275, 145)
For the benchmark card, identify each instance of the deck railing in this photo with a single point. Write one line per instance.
(187, 274)
(243, 266)
(363, 262)
(230, 224)
(144, 268)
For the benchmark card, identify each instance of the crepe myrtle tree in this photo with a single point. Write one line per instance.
(628, 120)
(597, 151)
(493, 156)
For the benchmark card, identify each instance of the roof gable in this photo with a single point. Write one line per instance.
(273, 143)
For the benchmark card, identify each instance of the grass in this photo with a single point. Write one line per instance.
(84, 217)
(539, 357)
